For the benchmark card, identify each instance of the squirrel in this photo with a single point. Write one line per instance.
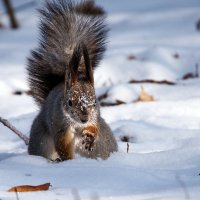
(60, 76)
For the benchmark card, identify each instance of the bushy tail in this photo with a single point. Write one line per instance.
(88, 7)
(64, 26)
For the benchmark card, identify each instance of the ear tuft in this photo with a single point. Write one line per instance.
(74, 64)
(88, 67)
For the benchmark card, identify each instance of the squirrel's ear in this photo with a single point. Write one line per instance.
(88, 67)
(73, 66)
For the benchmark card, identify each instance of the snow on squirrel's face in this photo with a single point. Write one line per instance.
(80, 102)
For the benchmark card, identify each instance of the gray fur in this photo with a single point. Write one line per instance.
(53, 122)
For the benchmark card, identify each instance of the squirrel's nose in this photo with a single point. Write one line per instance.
(84, 116)
(84, 120)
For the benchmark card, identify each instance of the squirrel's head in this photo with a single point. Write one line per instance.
(79, 96)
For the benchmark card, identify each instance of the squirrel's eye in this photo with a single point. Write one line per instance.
(70, 103)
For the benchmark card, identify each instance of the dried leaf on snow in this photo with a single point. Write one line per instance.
(30, 188)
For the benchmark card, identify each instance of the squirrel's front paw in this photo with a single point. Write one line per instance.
(88, 141)
(89, 135)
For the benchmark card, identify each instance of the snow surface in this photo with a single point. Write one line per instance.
(163, 161)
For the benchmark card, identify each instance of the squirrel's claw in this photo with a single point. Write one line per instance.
(57, 160)
(88, 142)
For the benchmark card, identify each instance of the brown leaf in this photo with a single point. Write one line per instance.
(144, 96)
(116, 103)
(30, 188)
(131, 57)
(119, 102)
(103, 96)
(176, 55)
(188, 76)
(152, 81)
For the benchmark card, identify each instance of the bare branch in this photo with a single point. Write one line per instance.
(11, 13)
(17, 132)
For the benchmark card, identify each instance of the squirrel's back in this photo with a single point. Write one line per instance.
(64, 26)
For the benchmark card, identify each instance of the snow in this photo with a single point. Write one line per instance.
(164, 148)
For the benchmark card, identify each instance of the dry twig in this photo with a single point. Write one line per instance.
(127, 147)
(183, 186)
(5, 122)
